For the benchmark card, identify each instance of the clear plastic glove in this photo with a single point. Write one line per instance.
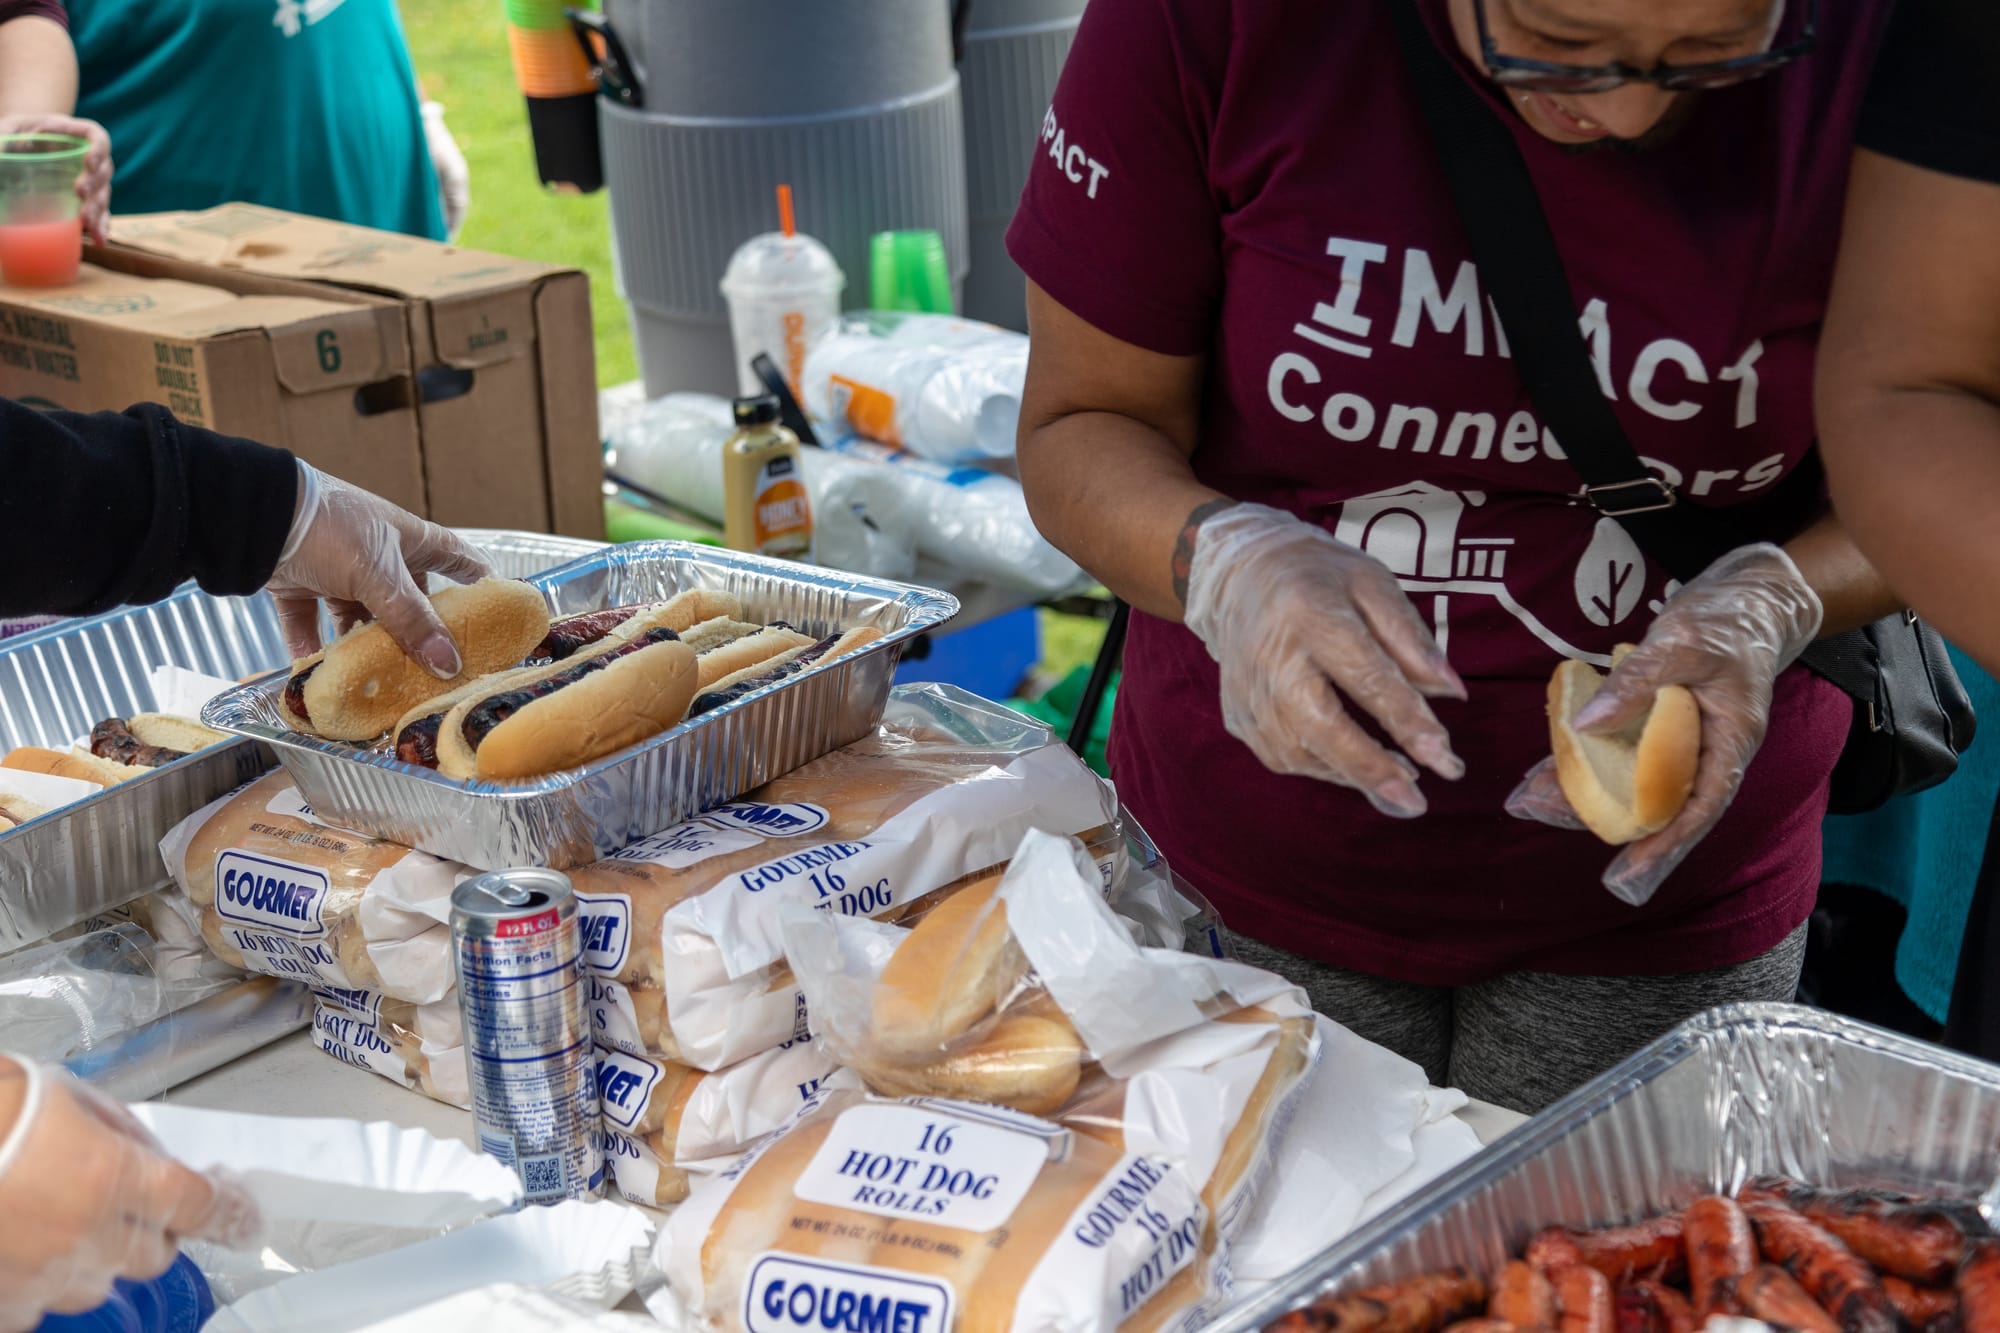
(89, 1196)
(1297, 620)
(454, 177)
(93, 187)
(367, 558)
(1725, 636)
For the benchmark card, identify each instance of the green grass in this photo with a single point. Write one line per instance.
(460, 49)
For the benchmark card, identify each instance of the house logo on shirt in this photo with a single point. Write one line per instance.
(1413, 530)
(295, 15)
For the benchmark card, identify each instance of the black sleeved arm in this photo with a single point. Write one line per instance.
(1935, 99)
(110, 508)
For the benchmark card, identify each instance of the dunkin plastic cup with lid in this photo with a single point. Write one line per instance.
(41, 224)
(783, 290)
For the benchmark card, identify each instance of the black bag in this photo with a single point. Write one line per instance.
(1912, 716)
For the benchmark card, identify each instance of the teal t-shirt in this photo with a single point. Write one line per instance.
(1925, 851)
(306, 105)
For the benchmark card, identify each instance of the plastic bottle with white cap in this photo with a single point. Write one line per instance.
(783, 289)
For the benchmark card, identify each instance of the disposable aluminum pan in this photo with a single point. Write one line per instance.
(1738, 1092)
(575, 817)
(57, 683)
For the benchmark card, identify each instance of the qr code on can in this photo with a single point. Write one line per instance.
(542, 1177)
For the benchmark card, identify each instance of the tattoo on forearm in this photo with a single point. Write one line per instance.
(1184, 544)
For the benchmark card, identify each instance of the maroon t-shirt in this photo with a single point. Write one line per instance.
(1251, 180)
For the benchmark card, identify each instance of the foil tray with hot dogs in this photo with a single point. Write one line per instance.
(486, 817)
(1783, 1108)
(61, 683)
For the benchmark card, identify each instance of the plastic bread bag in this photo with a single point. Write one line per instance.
(277, 891)
(943, 789)
(947, 1215)
(417, 1046)
(665, 1123)
(1005, 992)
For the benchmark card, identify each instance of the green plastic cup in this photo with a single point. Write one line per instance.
(907, 271)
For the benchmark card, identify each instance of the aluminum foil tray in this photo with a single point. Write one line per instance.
(572, 818)
(59, 682)
(1740, 1091)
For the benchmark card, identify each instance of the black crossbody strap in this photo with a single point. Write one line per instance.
(1518, 262)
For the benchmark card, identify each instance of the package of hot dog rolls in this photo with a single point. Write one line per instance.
(685, 923)
(277, 891)
(666, 1123)
(952, 1215)
(1011, 991)
(420, 1047)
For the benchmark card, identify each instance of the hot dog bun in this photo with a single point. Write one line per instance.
(16, 810)
(71, 764)
(636, 696)
(726, 648)
(1631, 783)
(847, 643)
(173, 733)
(364, 681)
(952, 970)
(1028, 1061)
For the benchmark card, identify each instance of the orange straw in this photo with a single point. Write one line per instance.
(785, 209)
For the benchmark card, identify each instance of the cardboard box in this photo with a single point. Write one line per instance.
(324, 373)
(505, 367)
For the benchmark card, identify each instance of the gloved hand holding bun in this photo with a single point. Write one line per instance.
(89, 1196)
(1720, 642)
(367, 557)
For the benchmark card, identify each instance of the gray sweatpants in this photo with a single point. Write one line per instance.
(1524, 1039)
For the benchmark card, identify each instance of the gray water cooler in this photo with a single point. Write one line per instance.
(1014, 49)
(853, 103)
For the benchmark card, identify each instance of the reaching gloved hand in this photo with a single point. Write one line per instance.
(93, 187)
(1725, 636)
(89, 1196)
(366, 557)
(454, 177)
(1292, 616)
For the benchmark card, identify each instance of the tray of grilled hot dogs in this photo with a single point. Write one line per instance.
(100, 749)
(599, 702)
(1763, 1163)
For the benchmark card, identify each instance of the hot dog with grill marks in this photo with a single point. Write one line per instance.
(1720, 1250)
(786, 664)
(680, 613)
(112, 739)
(416, 734)
(1653, 1248)
(563, 715)
(1844, 1286)
(1923, 1241)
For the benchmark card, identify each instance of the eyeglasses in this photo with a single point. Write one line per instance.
(1549, 77)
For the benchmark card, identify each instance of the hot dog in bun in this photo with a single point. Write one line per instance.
(357, 687)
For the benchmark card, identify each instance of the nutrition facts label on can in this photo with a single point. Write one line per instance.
(528, 1052)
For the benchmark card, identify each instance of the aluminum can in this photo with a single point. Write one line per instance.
(518, 954)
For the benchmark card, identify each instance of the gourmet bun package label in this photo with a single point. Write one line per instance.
(942, 791)
(420, 1047)
(935, 1216)
(666, 1123)
(276, 890)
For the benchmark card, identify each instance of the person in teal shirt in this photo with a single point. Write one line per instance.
(1922, 852)
(310, 106)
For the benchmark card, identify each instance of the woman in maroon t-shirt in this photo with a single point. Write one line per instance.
(1271, 405)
